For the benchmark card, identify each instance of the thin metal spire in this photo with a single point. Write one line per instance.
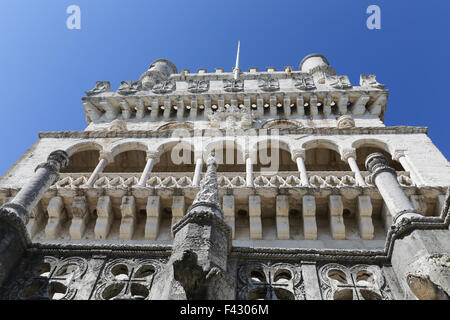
(236, 67)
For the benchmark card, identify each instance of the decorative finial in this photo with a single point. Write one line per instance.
(236, 67)
(209, 189)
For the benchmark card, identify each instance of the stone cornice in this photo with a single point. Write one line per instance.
(204, 132)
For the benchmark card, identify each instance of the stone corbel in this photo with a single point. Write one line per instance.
(336, 209)
(128, 223)
(229, 212)
(56, 217)
(155, 108)
(359, 108)
(153, 217)
(365, 217)
(111, 110)
(282, 214)
(273, 105)
(105, 217)
(309, 217)
(254, 204)
(80, 217)
(140, 108)
(92, 112)
(260, 105)
(313, 105)
(194, 108)
(327, 105)
(126, 110)
(287, 105)
(178, 209)
(376, 107)
(167, 108)
(300, 105)
(180, 108)
(342, 104)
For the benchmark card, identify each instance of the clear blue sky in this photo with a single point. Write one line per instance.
(45, 67)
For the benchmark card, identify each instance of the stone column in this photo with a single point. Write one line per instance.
(349, 156)
(399, 155)
(152, 158)
(248, 170)
(385, 178)
(104, 160)
(198, 265)
(14, 215)
(198, 171)
(299, 157)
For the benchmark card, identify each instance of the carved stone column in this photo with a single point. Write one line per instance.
(14, 215)
(400, 156)
(385, 178)
(349, 156)
(105, 159)
(198, 171)
(299, 157)
(197, 268)
(152, 158)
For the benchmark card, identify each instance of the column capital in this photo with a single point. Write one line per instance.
(56, 161)
(153, 154)
(107, 155)
(398, 153)
(298, 153)
(377, 163)
(347, 153)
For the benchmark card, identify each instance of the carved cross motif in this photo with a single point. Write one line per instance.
(126, 280)
(280, 281)
(100, 86)
(268, 84)
(129, 87)
(163, 87)
(339, 82)
(50, 278)
(195, 86)
(231, 85)
(304, 83)
(360, 282)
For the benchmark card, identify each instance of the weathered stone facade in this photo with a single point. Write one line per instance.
(242, 185)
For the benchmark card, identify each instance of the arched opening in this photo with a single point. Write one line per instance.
(273, 156)
(363, 151)
(82, 161)
(178, 158)
(229, 157)
(324, 159)
(128, 161)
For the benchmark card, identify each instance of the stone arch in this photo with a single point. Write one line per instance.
(129, 156)
(280, 124)
(175, 156)
(177, 125)
(227, 161)
(120, 147)
(324, 155)
(364, 147)
(83, 157)
(273, 157)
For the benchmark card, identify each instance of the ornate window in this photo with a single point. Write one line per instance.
(126, 280)
(279, 281)
(360, 282)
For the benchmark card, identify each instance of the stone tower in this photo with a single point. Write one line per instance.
(229, 185)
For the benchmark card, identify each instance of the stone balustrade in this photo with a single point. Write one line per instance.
(285, 179)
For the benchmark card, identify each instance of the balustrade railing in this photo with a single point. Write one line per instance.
(282, 179)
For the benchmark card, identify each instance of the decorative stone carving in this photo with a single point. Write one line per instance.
(197, 86)
(359, 282)
(280, 281)
(129, 87)
(100, 87)
(231, 85)
(163, 87)
(92, 112)
(370, 80)
(124, 279)
(345, 121)
(338, 82)
(118, 125)
(268, 84)
(304, 83)
(49, 278)
(231, 116)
